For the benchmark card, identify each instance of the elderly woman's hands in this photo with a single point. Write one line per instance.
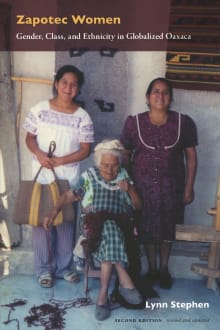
(47, 223)
(67, 197)
(48, 220)
(129, 188)
(124, 185)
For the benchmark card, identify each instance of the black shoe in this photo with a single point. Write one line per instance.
(131, 296)
(102, 312)
(165, 280)
(152, 277)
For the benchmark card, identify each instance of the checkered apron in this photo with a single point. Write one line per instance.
(107, 197)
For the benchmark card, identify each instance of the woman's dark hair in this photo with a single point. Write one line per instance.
(165, 81)
(69, 69)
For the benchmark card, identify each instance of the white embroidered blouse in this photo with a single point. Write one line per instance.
(67, 130)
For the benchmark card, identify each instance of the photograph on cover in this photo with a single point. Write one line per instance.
(109, 170)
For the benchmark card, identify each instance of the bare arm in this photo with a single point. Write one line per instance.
(130, 189)
(65, 198)
(126, 162)
(82, 153)
(135, 199)
(44, 160)
(191, 167)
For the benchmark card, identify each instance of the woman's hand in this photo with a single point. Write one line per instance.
(124, 185)
(48, 220)
(135, 232)
(44, 160)
(57, 161)
(47, 223)
(130, 189)
(188, 196)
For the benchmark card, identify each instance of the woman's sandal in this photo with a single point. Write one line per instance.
(71, 277)
(45, 281)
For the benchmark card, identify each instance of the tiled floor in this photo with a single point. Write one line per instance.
(167, 315)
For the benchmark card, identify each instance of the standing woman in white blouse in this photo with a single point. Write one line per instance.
(62, 120)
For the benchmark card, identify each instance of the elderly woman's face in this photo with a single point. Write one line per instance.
(109, 166)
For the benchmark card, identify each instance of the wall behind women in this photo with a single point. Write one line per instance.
(115, 87)
(115, 84)
(30, 65)
(204, 108)
(124, 84)
(38, 65)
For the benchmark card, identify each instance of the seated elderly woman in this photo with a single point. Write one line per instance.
(106, 192)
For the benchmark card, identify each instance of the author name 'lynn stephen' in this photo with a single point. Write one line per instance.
(177, 305)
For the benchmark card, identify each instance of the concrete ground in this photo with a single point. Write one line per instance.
(187, 305)
(200, 308)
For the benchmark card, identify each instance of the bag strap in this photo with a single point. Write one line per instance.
(51, 150)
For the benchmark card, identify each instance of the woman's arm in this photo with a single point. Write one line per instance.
(135, 199)
(191, 167)
(130, 189)
(66, 198)
(126, 161)
(44, 160)
(82, 153)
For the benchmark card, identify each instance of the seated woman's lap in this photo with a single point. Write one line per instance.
(112, 245)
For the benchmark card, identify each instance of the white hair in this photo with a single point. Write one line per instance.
(110, 147)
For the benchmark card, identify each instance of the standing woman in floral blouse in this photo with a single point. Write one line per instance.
(60, 119)
(160, 150)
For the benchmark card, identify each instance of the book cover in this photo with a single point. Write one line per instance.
(120, 46)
